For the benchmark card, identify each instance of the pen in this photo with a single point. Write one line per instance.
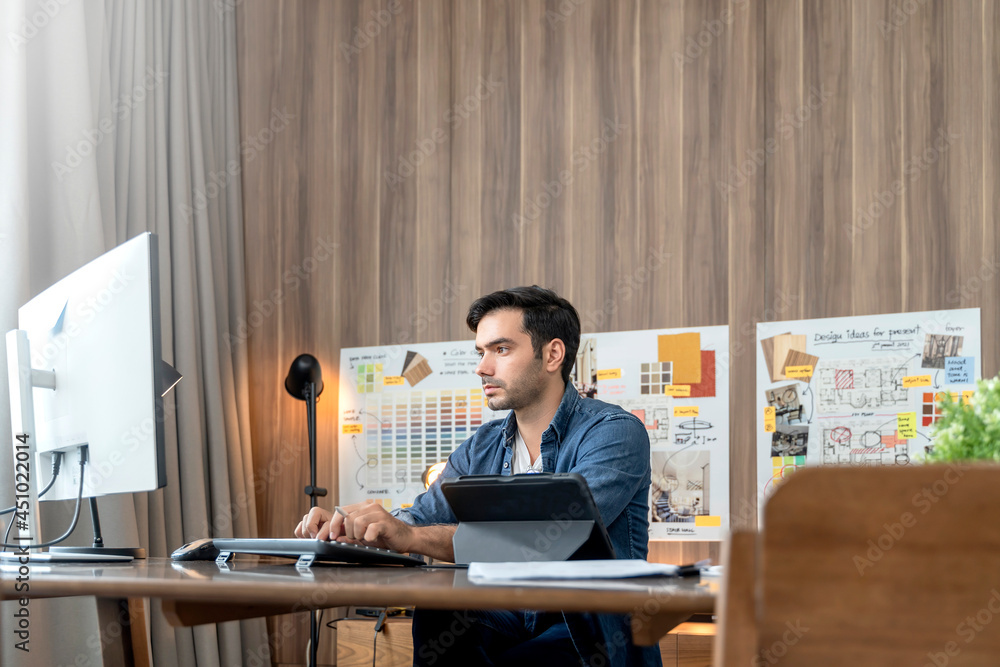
(340, 510)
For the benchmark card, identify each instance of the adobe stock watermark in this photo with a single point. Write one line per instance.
(121, 109)
(988, 269)
(565, 9)
(788, 124)
(84, 312)
(899, 14)
(580, 160)
(625, 288)
(434, 649)
(779, 648)
(35, 23)
(893, 532)
(695, 46)
(364, 35)
(968, 630)
(217, 181)
(913, 169)
(424, 316)
(453, 119)
(226, 513)
(784, 302)
(291, 281)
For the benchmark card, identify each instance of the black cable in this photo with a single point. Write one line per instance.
(379, 624)
(76, 515)
(56, 464)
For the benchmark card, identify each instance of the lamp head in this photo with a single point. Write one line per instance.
(305, 370)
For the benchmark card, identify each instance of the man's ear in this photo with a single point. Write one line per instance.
(554, 354)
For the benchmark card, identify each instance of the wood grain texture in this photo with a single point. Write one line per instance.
(880, 565)
(764, 169)
(357, 643)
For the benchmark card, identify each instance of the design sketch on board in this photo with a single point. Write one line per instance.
(862, 442)
(790, 441)
(680, 489)
(848, 385)
(786, 403)
(693, 432)
(584, 373)
(656, 413)
(937, 347)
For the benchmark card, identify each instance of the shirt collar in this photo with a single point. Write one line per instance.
(560, 421)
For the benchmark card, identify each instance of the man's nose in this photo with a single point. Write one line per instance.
(484, 368)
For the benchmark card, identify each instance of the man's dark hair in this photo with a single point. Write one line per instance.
(545, 316)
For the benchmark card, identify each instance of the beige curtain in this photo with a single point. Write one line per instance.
(118, 117)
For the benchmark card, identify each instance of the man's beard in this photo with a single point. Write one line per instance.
(521, 392)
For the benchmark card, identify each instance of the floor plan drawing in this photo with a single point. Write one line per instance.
(849, 385)
(861, 442)
(656, 413)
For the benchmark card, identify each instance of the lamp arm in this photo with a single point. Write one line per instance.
(312, 490)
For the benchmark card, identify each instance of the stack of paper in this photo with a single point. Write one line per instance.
(564, 570)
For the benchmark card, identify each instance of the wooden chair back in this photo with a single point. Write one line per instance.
(868, 566)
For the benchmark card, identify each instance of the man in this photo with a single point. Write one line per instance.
(527, 339)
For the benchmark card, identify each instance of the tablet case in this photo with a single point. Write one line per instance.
(536, 517)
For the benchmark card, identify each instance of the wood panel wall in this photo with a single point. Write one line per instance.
(760, 161)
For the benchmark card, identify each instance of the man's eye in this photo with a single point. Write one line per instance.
(501, 349)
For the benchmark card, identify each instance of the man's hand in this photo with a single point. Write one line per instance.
(311, 523)
(366, 523)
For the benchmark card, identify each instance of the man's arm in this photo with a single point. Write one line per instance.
(371, 525)
(614, 459)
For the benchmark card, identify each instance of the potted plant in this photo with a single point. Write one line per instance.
(968, 431)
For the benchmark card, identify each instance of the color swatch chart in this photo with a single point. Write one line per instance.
(407, 431)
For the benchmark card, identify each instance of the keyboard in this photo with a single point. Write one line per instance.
(315, 550)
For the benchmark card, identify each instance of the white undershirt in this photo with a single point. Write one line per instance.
(521, 464)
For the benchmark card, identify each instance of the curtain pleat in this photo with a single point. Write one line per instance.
(121, 116)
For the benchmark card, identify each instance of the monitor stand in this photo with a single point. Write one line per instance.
(98, 549)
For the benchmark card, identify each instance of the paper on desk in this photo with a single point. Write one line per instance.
(572, 569)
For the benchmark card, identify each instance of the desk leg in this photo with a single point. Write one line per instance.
(138, 611)
(113, 620)
(647, 630)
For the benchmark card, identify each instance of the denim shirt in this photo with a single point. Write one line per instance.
(609, 447)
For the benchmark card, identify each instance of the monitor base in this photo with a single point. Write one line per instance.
(134, 552)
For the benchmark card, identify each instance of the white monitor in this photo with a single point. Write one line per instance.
(98, 331)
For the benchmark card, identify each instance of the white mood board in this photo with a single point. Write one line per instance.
(405, 408)
(858, 390)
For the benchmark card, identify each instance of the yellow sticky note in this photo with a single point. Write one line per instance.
(799, 372)
(906, 423)
(708, 521)
(967, 397)
(353, 428)
(916, 381)
(769, 419)
(393, 380)
(406, 506)
(610, 374)
(677, 390)
(684, 351)
(686, 411)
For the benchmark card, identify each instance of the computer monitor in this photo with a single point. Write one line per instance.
(96, 376)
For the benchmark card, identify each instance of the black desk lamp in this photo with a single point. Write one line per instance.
(305, 382)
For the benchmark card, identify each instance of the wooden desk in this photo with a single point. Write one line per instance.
(202, 592)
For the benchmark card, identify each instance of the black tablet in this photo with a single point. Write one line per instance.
(548, 503)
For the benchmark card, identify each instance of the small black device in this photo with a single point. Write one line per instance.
(538, 517)
(312, 550)
(203, 549)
